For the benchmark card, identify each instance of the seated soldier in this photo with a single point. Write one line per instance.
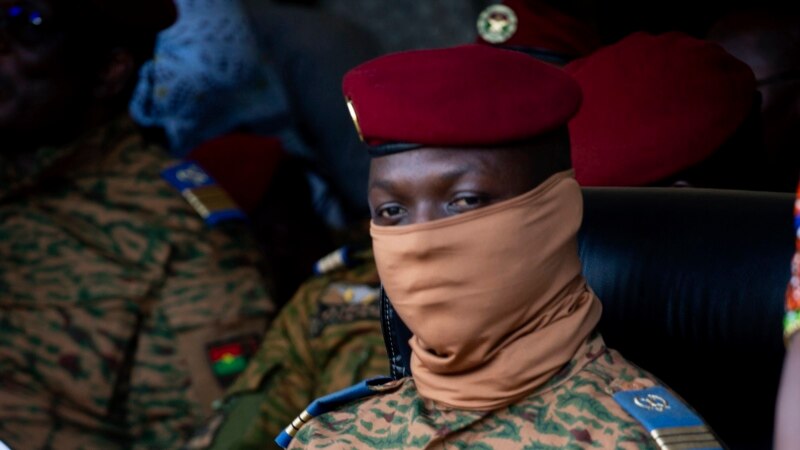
(474, 220)
(335, 312)
(123, 313)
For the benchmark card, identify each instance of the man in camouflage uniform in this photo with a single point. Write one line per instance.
(274, 387)
(114, 293)
(326, 338)
(475, 214)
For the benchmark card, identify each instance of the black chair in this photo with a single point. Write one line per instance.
(692, 283)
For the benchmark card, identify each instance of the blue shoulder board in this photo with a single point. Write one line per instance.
(668, 420)
(330, 402)
(201, 191)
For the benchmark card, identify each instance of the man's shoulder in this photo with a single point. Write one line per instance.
(343, 413)
(141, 178)
(616, 402)
(118, 197)
(117, 167)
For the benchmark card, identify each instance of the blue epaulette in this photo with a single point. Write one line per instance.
(201, 191)
(338, 259)
(329, 403)
(668, 420)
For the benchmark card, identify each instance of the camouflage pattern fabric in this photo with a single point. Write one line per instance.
(326, 338)
(111, 287)
(575, 409)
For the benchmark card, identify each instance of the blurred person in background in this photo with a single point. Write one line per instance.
(130, 292)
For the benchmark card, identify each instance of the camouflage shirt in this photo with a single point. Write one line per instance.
(326, 338)
(575, 409)
(111, 289)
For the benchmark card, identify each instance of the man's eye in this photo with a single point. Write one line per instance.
(390, 212)
(467, 202)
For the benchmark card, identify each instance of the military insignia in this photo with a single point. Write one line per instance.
(201, 191)
(344, 303)
(354, 116)
(330, 402)
(229, 358)
(497, 23)
(358, 294)
(668, 420)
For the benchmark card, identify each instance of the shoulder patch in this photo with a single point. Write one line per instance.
(330, 402)
(201, 191)
(228, 358)
(672, 424)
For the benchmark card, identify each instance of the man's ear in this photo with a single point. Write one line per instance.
(115, 76)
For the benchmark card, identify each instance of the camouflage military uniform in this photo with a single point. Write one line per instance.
(326, 338)
(575, 409)
(111, 286)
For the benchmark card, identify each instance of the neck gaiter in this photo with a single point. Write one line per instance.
(494, 297)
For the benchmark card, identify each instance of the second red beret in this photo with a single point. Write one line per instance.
(653, 106)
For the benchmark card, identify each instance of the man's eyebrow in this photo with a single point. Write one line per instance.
(381, 184)
(458, 172)
(445, 176)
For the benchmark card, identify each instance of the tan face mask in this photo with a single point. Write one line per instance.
(495, 297)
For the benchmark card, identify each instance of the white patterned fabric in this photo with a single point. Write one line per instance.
(208, 78)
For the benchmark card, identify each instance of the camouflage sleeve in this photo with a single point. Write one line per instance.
(69, 292)
(326, 338)
(288, 366)
(212, 297)
(110, 292)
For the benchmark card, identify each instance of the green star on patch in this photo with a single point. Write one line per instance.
(497, 23)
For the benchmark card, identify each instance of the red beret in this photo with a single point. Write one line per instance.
(653, 106)
(243, 164)
(466, 96)
(144, 15)
(533, 24)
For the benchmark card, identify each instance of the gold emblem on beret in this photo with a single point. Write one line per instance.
(354, 116)
(497, 23)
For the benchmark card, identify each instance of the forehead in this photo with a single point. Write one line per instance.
(434, 162)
